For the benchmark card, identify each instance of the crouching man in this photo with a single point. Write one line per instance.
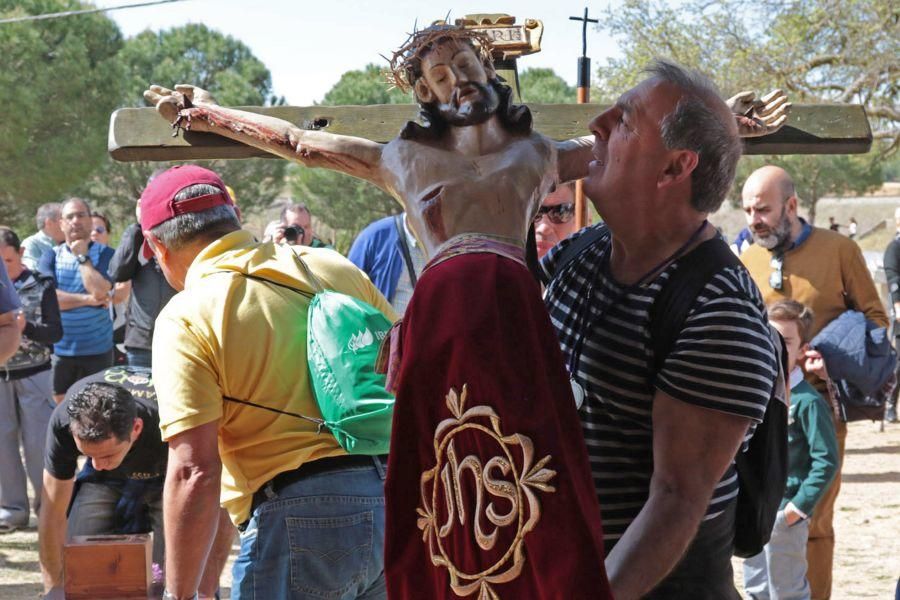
(112, 419)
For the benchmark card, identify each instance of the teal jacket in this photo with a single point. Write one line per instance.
(812, 448)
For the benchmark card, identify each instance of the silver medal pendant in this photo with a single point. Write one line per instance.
(577, 393)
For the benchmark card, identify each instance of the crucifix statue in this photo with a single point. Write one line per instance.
(487, 465)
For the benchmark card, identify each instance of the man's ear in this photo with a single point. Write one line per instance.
(791, 204)
(137, 428)
(160, 251)
(679, 168)
(423, 92)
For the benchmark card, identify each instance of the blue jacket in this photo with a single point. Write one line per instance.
(857, 350)
(376, 251)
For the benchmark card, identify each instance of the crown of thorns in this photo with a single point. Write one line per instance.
(405, 62)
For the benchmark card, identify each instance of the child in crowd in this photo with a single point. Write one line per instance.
(779, 571)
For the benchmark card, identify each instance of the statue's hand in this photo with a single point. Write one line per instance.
(759, 116)
(176, 105)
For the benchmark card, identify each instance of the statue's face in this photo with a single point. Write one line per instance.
(456, 82)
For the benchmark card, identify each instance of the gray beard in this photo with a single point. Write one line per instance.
(779, 237)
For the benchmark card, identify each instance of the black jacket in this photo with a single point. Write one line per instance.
(43, 326)
(150, 291)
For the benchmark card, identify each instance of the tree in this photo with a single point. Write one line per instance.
(347, 204)
(819, 51)
(59, 82)
(215, 62)
(544, 86)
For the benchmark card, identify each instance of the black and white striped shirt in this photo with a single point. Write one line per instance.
(723, 359)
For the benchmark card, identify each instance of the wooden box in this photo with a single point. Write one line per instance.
(108, 566)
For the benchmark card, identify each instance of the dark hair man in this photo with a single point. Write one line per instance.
(662, 443)
(79, 269)
(112, 419)
(825, 271)
(470, 179)
(26, 395)
(230, 335)
(49, 234)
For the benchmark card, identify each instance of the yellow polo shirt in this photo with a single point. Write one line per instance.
(228, 335)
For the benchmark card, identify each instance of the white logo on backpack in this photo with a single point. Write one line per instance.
(360, 340)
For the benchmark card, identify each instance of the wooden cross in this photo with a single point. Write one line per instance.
(138, 134)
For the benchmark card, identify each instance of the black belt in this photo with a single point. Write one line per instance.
(324, 465)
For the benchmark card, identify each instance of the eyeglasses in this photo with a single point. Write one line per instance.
(776, 279)
(558, 214)
(100, 229)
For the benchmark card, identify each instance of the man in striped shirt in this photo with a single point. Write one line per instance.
(662, 444)
(79, 268)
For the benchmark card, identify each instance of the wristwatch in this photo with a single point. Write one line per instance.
(82, 258)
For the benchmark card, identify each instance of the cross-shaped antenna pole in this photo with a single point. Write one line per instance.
(584, 92)
(584, 21)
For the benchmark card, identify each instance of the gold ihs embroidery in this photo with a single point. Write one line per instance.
(512, 476)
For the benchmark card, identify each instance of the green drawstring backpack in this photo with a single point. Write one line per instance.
(343, 335)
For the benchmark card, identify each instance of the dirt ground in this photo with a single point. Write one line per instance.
(867, 525)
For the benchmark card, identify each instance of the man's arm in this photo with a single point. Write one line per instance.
(11, 325)
(195, 109)
(860, 287)
(48, 329)
(125, 262)
(692, 448)
(55, 497)
(191, 506)
(70, 300)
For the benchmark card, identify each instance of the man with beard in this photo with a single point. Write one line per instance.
(488, 468)
(825, 271)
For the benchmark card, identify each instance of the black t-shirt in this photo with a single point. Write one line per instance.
(146, 458)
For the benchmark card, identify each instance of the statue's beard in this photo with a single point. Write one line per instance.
(477, 109)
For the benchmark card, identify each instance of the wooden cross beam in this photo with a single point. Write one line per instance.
(137, 134)
(140, 134)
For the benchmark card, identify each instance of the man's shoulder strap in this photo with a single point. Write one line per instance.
(588, 238)
(404, 248)
(670, 309)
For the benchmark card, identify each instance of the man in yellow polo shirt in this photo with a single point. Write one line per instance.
(824, 270)
(311, 516)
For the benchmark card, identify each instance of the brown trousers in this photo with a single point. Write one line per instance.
(820, 547)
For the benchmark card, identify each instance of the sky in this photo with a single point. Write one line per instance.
(308, 45)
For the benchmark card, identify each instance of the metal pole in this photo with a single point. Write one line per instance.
(582, 215)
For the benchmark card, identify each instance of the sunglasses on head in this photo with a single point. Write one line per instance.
(776, 279)
(558, 214)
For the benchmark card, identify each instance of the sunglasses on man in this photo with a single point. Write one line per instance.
(776, 279)
(100, 229)
(558, 213)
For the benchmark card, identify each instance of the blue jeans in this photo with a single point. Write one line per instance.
(779, 571)
(321, 537)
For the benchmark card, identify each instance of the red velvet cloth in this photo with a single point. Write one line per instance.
(485, 412)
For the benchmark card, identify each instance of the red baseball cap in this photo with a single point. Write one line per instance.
(158, 200)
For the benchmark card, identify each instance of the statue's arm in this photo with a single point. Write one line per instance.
(194, 109)
(573, 157)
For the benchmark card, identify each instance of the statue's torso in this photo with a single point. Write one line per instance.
(446, 193)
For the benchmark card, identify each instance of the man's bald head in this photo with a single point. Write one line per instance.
(770, 204)
(769, 177)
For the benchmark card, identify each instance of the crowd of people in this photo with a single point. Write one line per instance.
(527, 412)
